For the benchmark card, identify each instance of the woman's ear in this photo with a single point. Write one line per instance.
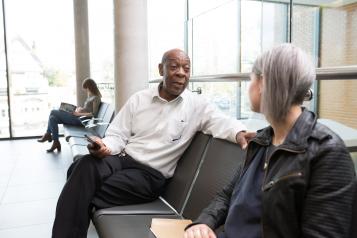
(260, 83)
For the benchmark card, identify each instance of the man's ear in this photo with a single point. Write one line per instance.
(260, 84)
(161, 69)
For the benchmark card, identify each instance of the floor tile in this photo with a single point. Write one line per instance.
(30, 183)
(34, 231)
(35, 176)
(32, 192)
(2, 193)
(26, 214)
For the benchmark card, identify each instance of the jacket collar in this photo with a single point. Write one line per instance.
(297, 138)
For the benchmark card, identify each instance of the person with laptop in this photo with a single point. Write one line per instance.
(69, 114)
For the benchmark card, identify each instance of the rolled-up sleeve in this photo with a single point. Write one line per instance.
(217, 124)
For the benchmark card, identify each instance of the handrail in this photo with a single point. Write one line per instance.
(326, 73)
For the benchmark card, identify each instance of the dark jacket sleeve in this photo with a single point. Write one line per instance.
(216, 213)
(328, 203)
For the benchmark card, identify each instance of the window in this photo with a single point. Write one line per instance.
(41, 62)
(166, 30)
(101, 44)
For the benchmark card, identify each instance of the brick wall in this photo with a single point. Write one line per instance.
(338, 100)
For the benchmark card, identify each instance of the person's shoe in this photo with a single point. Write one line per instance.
(56, 145)
(45, 137)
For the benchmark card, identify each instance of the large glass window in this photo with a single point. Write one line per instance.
(215, 40)
(101, 42)
(41, 61)
(264, 24)
(226, 36)
(166, 30)
(4, 109)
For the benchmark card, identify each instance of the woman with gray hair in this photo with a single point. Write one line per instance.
(298, 178)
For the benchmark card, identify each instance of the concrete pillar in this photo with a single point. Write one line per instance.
(131, 49)
(81, 36)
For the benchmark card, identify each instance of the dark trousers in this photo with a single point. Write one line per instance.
(102, 183)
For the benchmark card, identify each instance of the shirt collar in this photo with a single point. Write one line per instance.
(156, 96)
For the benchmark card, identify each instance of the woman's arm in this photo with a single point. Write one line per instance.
(216, 213)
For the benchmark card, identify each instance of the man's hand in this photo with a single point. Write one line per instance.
(243, 137)
(97, 148)
(199, 231)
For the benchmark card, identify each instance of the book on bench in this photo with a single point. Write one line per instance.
(67, 107)
(168, 228)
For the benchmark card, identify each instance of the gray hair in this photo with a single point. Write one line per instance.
(288, 74)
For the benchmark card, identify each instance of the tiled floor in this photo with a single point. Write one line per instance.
(30, 183)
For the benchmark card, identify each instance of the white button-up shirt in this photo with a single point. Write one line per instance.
(156, 132)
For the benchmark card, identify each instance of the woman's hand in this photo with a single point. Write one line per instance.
(77, 114)
(79, 109)
(199, 231)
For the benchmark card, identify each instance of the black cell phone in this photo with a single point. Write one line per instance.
(94, 145)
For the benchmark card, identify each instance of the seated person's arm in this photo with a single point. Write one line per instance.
(120, 129)
(221, 126)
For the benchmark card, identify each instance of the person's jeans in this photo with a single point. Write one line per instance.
(60, 117)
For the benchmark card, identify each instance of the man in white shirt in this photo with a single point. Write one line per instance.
(141, 148)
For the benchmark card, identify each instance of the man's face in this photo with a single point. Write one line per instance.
(176, 73)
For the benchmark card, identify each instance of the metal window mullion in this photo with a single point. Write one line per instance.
(7, 69)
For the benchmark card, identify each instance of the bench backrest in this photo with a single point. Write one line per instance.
(107, 117)
(180, 184)
(102, 109)
(220, 163)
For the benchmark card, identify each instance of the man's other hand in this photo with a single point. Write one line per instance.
(199, 231)
(243, 137)
(98, 148)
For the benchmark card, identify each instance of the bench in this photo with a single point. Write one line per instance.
(206, 166)
(93, 127)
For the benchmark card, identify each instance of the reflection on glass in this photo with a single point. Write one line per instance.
(198, 7)
(222, 94)
(166, 30)
(215, 41)
(264, 24)
(41, 61)
(101, 29)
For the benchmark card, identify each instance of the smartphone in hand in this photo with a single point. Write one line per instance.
(93, 144)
